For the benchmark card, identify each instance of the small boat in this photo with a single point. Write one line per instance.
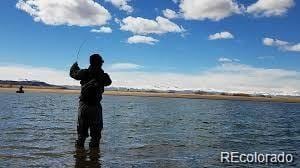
(20, 90)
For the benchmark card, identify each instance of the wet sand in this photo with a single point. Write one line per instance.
(166, 95)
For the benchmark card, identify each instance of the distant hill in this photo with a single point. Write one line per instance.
(44, 85)
(27, 83)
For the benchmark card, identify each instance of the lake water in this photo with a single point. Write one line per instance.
(39, 130)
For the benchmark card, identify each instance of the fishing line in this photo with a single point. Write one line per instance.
(81, 46)
(79, 49)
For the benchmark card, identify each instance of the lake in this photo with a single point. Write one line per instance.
(39, 130)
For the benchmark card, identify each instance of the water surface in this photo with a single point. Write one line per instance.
(39, 130)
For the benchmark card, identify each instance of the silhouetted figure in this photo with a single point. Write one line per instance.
(92, 80)
(20, 90)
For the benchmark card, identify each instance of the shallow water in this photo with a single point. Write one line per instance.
(39, 130)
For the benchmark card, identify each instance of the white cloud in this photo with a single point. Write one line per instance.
(124, 66)
(122, 5)
(66, 12)
(282, 45)
(138, 25)
(221, 35)
(142, 39)
(102, 29)
(295, 47)
(223, 59)
(274, 42)
(227, 77)
(117, 20)
(270, 7)
(170, 14)
(209, 9)
(227, 60)
(175, 1)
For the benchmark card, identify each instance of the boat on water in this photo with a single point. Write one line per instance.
(20, 90)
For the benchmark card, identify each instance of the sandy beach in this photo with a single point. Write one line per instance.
(166, 95)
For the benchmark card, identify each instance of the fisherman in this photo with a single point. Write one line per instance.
(20, 90)
(92, 80)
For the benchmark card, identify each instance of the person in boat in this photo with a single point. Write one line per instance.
(20, 90)
(92, 80)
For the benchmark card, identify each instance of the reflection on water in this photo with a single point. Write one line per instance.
(39, 130)
(87, 158)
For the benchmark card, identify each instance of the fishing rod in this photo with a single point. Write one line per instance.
(81, 46)
(79, 49)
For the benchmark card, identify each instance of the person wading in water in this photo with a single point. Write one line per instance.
(92, 80)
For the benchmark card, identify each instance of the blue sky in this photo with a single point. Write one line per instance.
(258, 34)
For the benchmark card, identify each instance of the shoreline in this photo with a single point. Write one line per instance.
(283, 99)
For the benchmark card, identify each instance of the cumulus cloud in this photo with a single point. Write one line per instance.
(141, 26)
(122, 5)
(142, 39)
(221, 35)
(66, 12)
(225, 77)
(124, 66)
(282, 45)
(170, 14)
(269, 8)
(208, 9)
(102, 29)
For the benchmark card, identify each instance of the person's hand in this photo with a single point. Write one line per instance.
(75, 64)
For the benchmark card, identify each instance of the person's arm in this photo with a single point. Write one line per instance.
(76, 73)
(106, 80)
